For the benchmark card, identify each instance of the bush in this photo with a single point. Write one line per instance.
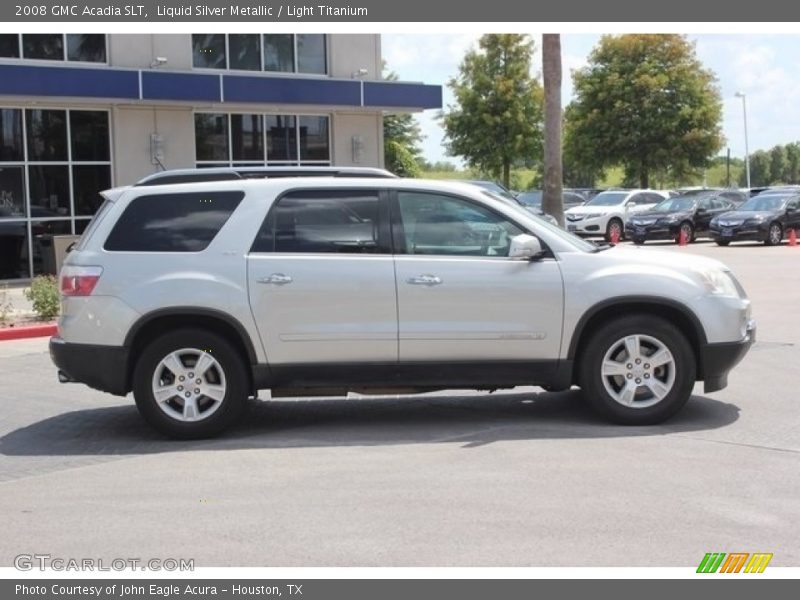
(44, 295)
(5, 304)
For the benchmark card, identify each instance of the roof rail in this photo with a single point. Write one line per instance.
(234, 173)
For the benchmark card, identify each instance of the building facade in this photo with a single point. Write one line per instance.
(80, 113)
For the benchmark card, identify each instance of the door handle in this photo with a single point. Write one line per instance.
(428, 280)
(275, 279)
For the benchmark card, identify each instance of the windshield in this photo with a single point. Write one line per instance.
(678, 204)
(764, 203)
(607, 199)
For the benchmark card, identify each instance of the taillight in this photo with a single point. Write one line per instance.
(79, 281)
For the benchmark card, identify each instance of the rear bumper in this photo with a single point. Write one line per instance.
(103, 368)
(716, 360)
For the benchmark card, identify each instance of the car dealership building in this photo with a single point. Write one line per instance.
(80, 113)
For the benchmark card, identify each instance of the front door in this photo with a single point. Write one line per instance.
(321, 279)
(460, 298)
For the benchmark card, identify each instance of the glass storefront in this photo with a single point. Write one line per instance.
(72, 47)
(53, 163)
(223, 139)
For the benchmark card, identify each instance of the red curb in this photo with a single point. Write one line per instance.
(28, 331)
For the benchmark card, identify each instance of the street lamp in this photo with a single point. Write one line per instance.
(743, 96)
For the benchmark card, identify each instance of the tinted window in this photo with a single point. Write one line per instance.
(89, 135)
(9, 45)
(311, 53)
(208, 50)
(444, 225)
(44, 46)
(244, 51)
(322, 221)
(279, 52)
(47, 135)
(87, 181)
(172, 222)
(247, 137)
(12, 192)
(314, 138)
(211, 136)
(281, 137)
(10, 134)
(86, 47)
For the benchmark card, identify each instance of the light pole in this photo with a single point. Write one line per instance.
(743, 96)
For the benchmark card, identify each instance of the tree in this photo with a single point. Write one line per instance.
(552, 196)
(401, 138)
(759, 170)
(497, 117)
(792, 174)
(644, 102)
(777, 164)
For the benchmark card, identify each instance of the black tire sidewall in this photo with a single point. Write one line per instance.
(591, 381)
(230, 361)
(769, 241)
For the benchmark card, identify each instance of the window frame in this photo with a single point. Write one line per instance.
(64, 60)
(384, 238)
(398, 228)
(262, 65)
(266, 160)
(26, 163)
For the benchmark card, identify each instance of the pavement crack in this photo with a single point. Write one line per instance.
(741, 444)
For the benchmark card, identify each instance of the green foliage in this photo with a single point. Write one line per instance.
(644, 102)
(496, 121)
(400, 159)
(5, 304)
(780, 164)
(44, 295)
(401, 139)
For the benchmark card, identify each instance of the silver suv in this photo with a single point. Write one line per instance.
(195, 295)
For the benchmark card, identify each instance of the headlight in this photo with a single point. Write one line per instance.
(720, 283)
(592, 215)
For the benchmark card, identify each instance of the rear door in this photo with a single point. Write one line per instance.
(460, 298)
(321, 279)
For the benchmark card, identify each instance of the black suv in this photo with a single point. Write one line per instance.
(764, 218)
(690, 214)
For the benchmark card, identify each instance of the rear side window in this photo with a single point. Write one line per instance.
(172, 222)
(327, 221)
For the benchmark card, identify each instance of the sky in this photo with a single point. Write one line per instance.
(765, 67)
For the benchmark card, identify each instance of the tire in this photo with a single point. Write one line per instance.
(774, 235)
(612, 223)
(723, 242)
(688, 229)
(638, 241)
(224, 377)
(641, 405)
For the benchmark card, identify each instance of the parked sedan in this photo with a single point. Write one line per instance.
(763, 218)
(689, 214)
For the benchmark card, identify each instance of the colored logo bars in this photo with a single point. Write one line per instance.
(735, 562)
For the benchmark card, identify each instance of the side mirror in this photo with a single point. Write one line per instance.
(525, 247)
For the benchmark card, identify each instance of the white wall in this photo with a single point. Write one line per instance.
(369, 127)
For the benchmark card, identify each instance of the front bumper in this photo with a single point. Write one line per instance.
(652, 232)
(588, 227)
(103, 368)
(742, 233)
(717, 360)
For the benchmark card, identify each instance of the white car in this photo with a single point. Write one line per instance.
(606, 214)
(194, 294)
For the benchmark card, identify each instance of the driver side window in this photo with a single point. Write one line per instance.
(435, 224)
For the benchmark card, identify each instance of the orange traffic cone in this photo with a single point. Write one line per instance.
(793, 237)
(614, 236)
(682, 241)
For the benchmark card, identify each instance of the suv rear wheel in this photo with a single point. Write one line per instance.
(190, 384)
(637, 370)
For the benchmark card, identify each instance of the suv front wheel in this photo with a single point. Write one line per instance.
(190, 384)
(637, 370)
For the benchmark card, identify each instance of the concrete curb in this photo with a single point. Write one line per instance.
(27, 331)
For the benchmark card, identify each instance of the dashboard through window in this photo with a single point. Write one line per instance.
(437, 224)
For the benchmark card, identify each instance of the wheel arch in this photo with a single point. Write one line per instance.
(675, 312)
(158, 322)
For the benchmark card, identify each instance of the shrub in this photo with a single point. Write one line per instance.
(44, 295)
(5, 304)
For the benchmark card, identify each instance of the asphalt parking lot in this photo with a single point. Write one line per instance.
(451, 479)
